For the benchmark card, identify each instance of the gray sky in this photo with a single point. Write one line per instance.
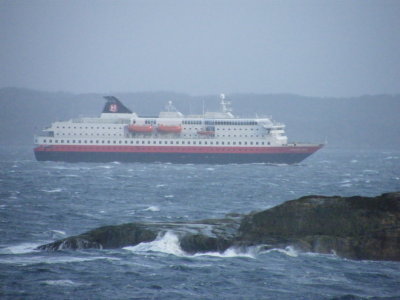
(312, 48)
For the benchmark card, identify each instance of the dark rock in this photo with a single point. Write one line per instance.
(106, 237)
(353, 227)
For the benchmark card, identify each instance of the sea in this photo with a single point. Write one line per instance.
(41, 202)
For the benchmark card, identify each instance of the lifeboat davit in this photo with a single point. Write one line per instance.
(140, 128)
(169, 128)
(206, 132)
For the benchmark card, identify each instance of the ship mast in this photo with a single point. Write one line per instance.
(225, 105)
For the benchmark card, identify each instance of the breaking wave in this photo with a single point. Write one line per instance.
(168, 243)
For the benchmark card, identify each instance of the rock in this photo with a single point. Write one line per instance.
(200, 236)
(352, 227)
(106, 237)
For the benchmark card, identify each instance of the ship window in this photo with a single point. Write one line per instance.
(143, 142)
(131, 142)
(137, 142)
(216, 143)
(240, 143)
(234, 143)
(44, 141)
(120, 142)
(160, 142)
(97, 141)
(148, 142)
(126, 142)
(205, 143)
(228, 143)
(262, 143)
(194, 143)
(256, 143)
(245, 143)
(102, 142)
(183, 142)
(165, 142)
(154, 142)
(171, 142)
(108, 142)
(269, 143)
(50, 141)
(177, 142)
(188, 142)
(115, 142)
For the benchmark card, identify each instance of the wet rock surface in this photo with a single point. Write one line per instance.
(352, 227)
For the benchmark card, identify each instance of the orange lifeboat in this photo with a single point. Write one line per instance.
(169, 128)
(140, 128)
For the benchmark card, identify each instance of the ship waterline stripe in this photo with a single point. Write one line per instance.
(177, 149)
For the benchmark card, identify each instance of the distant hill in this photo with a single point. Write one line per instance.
(362, 122)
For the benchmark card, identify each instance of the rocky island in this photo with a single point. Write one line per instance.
(352, 227)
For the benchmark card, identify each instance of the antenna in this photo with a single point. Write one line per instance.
(225, 105)
(170, 107)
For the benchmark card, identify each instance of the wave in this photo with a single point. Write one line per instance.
(20, 249)
(40, 259)
(289, 251)
(57, 190)
(61, 282)
(250, 252)
(168, 243)
(152, 208)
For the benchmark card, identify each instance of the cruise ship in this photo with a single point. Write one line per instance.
(121, 135)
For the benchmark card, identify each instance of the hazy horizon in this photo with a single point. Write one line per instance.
(309, 48)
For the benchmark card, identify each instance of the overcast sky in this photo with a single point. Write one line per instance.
(311, 48)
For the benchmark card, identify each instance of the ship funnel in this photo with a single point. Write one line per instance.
(113, 105)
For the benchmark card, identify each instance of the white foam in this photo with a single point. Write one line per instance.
(60, 232)
(32, 260)
(169, 196)
(57, 190)
(289, 251)
(346, 185)
(105, 167)
(391, 157)
(167, 243)
(20, 249)
(61, 282)
(231, 252)
(152, 208)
